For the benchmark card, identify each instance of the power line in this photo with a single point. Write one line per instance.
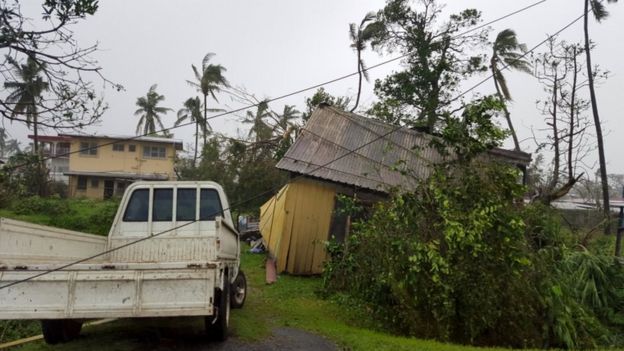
(379, 137)
(296, 92)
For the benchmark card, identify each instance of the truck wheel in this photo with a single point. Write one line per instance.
(217, 328)
(60, 330)
(72, 328)
(239, 290)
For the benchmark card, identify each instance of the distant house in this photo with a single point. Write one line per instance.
(101, 166)
(55, 150)
(297, 221)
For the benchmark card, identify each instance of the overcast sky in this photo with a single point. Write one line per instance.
(276, 47)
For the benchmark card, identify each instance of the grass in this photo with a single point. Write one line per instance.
(291, 302)
(86, 215)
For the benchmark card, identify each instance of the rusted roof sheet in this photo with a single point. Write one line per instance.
(384, 156)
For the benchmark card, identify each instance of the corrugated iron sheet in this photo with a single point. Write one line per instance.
(384, 156)
(295, 225)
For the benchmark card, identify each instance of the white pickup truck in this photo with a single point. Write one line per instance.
(172, 251)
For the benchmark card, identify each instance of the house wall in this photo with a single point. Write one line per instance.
(108, 160)
(95, 190)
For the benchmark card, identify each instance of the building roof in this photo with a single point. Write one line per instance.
(121, 175)
(391, 157)
(50, 137)
(151, 139)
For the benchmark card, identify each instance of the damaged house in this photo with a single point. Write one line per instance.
(304, 214)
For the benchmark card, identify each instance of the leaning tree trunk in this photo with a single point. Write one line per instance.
(359, 64)
(507, 117)
(196, 143)
(599, 140)
(204, 126)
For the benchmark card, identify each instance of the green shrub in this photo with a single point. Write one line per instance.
(35, 205)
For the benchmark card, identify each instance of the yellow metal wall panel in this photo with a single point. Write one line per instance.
(295, 224)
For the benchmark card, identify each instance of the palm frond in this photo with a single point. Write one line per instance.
(599, 10)
(206, 59)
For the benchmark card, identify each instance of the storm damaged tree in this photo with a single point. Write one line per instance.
(48, 45)
(360, 35)
(508, 53)
(600, 13)
(561, 72)
(438, 57)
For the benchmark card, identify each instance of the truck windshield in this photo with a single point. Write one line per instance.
(162, 206)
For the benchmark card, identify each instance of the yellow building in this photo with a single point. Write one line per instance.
(102, 166)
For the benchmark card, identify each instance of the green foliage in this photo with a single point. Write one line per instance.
(438, 60)
(13, 330)
(91, 216)
(323, 97)
(23, 175)
(462, 259)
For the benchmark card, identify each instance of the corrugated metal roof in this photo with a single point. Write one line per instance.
(384, 156)
(127, 138)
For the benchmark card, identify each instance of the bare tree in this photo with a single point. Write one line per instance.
(561, 73)
(70, 100)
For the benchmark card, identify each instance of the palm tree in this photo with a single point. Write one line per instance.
(192, 111)
(284, 125)
(359, 37)
(26, 93)
(506, 49)
(260, 130)
(600, 13)
(150, 112)
(209, 81)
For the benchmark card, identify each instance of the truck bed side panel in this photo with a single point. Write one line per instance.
(22, 242)
(108, 294)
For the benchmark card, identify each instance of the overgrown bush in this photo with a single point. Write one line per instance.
(461, 258)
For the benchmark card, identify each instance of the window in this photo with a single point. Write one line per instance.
(154, 151)
(82, 183)
(88, 149)
(131, 148)
(209, 205)
(121, 187)
(95, 182)
(187, 200)
(163, 205)
(118, 147)
(138, 206)
(62, 150)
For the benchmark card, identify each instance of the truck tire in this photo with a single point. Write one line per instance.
(238, 290)
(217, 328)
(60, 330)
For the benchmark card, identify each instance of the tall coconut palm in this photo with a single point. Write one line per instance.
(208, 81)
(192, 111)
(600, 13)
(150, 112)
(284, 121)
(26, 93)
(510, 52)
(359, 37)
(260, 130)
